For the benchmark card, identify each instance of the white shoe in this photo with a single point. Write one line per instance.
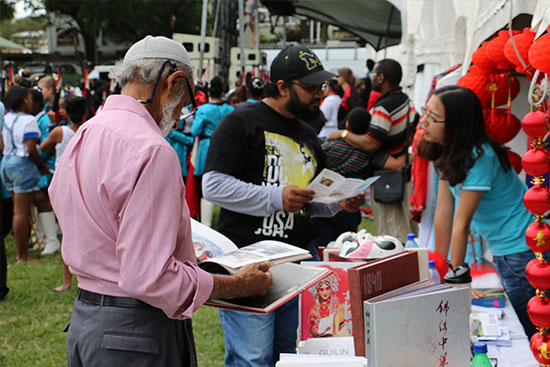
(51, 243)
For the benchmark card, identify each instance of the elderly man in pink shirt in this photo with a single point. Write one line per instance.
(119, 197)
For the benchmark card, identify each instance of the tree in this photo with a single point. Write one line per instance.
(6, 9)
(128, 21)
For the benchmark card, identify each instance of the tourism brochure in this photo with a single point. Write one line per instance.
(331, 187)
(310, 360)
(218, 254)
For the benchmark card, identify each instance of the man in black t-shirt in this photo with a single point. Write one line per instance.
(260, 162)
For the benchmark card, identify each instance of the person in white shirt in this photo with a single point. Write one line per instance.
(58, 139)
(21, 166)
(330, 107)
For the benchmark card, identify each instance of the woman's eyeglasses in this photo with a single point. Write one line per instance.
(429, 116)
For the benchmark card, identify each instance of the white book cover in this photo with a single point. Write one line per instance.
(429, 329)
(329, 346)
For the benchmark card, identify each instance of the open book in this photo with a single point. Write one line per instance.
(331, 187)
(218, 254)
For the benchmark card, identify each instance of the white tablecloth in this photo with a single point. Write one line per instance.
(519, 354)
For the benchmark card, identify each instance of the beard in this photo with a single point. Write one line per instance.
(167, 120)
(301, 109)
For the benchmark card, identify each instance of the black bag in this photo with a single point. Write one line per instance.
(390, 187)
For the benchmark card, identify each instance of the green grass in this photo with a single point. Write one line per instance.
(32, 316)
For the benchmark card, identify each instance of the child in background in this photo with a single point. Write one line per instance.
(351, 163)
(58, 139)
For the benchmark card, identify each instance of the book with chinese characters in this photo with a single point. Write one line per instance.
(331, 187)
(380, 276)
(218, 254)
(427, 326)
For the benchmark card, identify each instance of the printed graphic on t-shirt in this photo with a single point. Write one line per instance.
(286, 163)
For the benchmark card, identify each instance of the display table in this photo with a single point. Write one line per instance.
(519, 354)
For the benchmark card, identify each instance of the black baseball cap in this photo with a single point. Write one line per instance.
(296, 62)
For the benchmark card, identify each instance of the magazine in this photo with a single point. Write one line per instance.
(331, 187)
(218, 254)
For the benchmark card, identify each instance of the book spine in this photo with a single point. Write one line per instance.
(356, 312)
(369, 327)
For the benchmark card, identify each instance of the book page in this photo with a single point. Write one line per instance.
(326, 182)
(331, 187)
(208, 243)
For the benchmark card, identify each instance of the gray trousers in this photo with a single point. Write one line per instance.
(117, 336)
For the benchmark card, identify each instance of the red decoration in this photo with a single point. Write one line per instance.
(538, 53)
(537, 236)
(482, 60)
(538, 274)
(495, 50)
(515, 161)
(534, 124)
(523, 42)
(476, 82)
(540, 346)
(499, 127)
(501, 95)
(536, 162)
(539, 311)
(536, 199)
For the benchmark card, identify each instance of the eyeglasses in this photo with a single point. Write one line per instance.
(192, 102)
(429, 116)
(311, 88)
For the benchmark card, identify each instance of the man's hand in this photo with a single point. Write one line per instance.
(294, 198)
(352, 204)
(250, 281)
(255, 279)
(335, 135)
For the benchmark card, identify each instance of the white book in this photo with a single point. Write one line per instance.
(331, 187)
(418, 329)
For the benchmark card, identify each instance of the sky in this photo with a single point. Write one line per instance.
(20, 11)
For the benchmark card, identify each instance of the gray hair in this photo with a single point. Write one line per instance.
(145, 71)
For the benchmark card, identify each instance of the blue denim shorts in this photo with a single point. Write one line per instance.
(19, 174)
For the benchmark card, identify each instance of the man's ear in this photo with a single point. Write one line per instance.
(175, 81)
(283, 88)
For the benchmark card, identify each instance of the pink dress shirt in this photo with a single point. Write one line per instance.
(120, 200)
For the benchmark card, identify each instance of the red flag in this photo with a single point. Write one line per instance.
(192, 193)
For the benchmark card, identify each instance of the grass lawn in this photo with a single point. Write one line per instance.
(32, 316)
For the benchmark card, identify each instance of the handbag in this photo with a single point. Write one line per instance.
(390, 187)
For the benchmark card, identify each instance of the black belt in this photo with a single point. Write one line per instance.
(104, 300)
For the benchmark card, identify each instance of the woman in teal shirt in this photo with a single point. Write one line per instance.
(207, 118)
(475, 174)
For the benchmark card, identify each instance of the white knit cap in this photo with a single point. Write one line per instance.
(157, 48)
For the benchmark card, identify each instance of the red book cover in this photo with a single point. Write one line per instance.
(380, 276)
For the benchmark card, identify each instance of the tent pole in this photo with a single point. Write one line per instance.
(241, 36)
(388, 31)
(203, 37)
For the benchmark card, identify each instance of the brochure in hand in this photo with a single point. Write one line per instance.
(332, 187)
(218, 254)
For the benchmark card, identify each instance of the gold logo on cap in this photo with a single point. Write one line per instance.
(310, 59)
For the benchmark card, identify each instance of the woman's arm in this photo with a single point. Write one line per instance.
(443, 218)
(467, 205)
(34, 156)
(56, 136)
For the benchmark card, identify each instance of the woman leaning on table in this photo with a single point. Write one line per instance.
(478, 188)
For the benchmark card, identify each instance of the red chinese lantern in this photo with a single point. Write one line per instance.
(482, 60)
(539, 51)
(500, 127)
(534, 124)
(537, 236)
(536, 162)
(477, 82)
(536, 199)
(540, 346)
(538, 274)
(501, 95)
(495, 50)
(539, 311)
(515, 161)
(523, 42)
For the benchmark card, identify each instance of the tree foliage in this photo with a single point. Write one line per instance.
(124, 20)
(6, 9)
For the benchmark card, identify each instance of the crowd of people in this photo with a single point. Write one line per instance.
(132, 169)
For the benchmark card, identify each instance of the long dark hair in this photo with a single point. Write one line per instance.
(464, 134)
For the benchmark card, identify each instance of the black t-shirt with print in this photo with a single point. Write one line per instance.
(258, 145)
